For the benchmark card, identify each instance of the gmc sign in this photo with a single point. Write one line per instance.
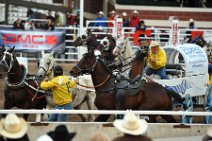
(40, 40)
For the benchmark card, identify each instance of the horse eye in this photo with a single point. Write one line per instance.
(83, 36)
(105, 43)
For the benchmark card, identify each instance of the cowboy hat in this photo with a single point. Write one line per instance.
(135, 11)
(101, 13)
(61, 134)
(131, 124)
(13, 127)
(124, 14)
(112, 12)
(191, 20)
(209, 131)
(44, 138)
(154, 44)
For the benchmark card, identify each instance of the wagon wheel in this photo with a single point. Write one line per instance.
(208, 104)
(187, 106)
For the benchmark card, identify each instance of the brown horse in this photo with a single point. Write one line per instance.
(88, 40)
(147, 96)
(21, 89)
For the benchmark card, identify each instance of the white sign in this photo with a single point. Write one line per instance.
(194, 58)
(174, 32)
(119, 24)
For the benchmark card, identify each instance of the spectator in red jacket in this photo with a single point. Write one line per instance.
(134, 20)
(111, 18)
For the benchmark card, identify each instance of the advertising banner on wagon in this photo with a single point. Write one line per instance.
(32, 41)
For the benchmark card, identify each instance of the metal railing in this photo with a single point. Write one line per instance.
(104, 112)
(71, 54)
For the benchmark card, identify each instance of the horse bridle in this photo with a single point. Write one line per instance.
(88, 70)
(49, 69)
(91, 69)
(4, 63)
(106, 45)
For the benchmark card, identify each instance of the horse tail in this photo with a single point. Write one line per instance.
(175, 95)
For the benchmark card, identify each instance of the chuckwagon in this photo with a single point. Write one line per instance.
(187, 71)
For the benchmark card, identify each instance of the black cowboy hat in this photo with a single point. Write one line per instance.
(58, 70)
(61, 134)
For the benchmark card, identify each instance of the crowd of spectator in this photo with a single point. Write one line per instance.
(131, 127)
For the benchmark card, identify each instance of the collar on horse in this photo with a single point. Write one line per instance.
(91, 70)
(21, 83)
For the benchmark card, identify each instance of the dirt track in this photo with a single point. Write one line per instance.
(67, 66)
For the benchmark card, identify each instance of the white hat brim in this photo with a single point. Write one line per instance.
(143, 125)
(209, 131)
(14, 135)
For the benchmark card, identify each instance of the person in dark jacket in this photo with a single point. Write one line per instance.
(18, 24)
(49, 26)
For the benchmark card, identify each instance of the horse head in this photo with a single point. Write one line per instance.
(87, 63)
(7, 58)
(46, 65)
(107, 43)
(123, 51)
(122, 45)
(87, 39)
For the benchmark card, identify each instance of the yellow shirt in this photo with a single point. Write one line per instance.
(160, 58)
(60, 86)
(210, 80)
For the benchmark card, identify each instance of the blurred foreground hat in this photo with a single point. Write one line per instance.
(13, 127)
(209, 131)
(131, 124)
(99, 136)
(154, 44)
(61, 134)
(44, 138)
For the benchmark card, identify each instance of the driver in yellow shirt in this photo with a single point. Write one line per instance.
(60, 86)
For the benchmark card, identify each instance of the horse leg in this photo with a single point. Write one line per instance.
(7, 105)
(78, 107)
(102, 118)
(152, 119)
(90, 103)
(169, 118)
(78, 101)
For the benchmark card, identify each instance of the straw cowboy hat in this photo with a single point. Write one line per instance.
(13, 127)
(154, 44)
(61, 134)
(131, 124)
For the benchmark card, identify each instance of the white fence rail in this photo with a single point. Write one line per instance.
(104, 112)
